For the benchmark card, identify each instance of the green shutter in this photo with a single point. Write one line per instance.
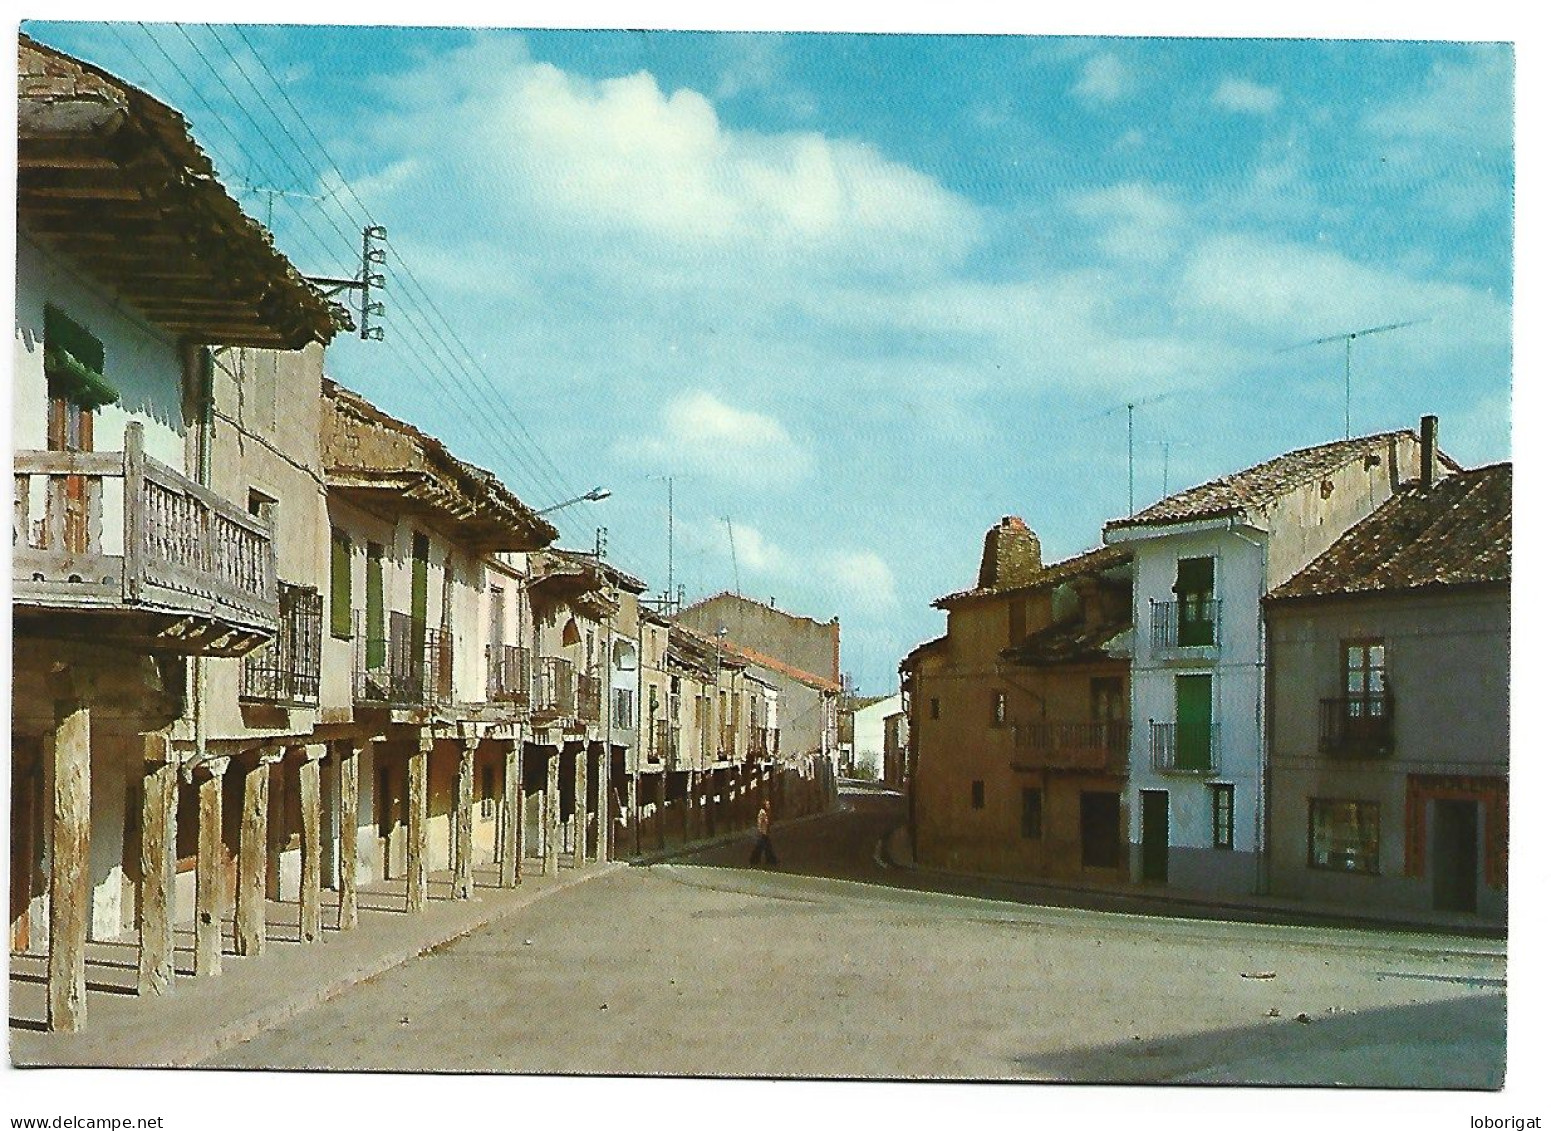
(73, 360)
(1193, 721)
(1196, 609)
(376, 622)
(339, 585)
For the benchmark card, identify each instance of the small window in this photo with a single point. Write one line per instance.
(977, 795)
(263, 507)
(998, 708)
(936, 711)
(1344, 835)
(339, 584)
(1033, 813)
(74, 362)
(1222, 815)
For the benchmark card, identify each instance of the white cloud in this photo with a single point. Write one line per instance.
(1245, 97)
(863, 578)
(1136, 221)
(1104, 79)
(698, 431)
(1470, 102)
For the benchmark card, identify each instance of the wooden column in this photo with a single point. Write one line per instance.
(633, 813)
(513, 816)
(579, 816)
(419, 769)
(605, 804)
(69, 891)
(661, 814)
(210, 876)
(311, 895)
(253, 852)
(349, 755)
(551, 811)
(463, 823)
(158, 864)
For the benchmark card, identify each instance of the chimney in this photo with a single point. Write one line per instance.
(1429, 452)
(1011, 555)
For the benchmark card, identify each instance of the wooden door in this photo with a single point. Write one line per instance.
(1456, 855)
(1155, 835)
(70, 430)
(1099, 817)
(1193, 722)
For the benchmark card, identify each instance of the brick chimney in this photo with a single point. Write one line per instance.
(1011, 555)
(1429, 452)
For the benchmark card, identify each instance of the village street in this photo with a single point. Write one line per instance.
(835, 965)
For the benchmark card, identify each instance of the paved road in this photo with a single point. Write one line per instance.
(825, 968)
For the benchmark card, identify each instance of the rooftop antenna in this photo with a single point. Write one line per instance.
(1166, 445)
(1130, 408)
(732, 543)
(1349, 337)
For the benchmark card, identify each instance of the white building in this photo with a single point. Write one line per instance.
(867, 730)
(1204, 558)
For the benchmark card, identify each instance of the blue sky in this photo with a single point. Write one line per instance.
(863, 295)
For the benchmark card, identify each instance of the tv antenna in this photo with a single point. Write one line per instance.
(1349, 337)
(732, 544)
(1129, 408)
(1166, 445)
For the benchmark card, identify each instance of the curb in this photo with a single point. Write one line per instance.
(663, 855)
(251, 1025)
(1279, 914)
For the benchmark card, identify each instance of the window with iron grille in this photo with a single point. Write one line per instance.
(1344, 835)
(1222, 815)
(624, 708)
(286, 670)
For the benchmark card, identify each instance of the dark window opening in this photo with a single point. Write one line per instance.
(1033, 814)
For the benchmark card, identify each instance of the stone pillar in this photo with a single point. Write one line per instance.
(349, 756)
(579, 842)
(662, 805)
(551, 811)
(311, 895)
(253, 852)
(513, 816)
(210, 874)
(69, 889)
(158, 864)
(463, 823)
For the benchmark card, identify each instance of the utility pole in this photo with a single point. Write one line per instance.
(365, 281)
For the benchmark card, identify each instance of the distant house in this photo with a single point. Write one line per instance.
(1388, 659)
(1018, 717)
(868, 719)
(1204, 558)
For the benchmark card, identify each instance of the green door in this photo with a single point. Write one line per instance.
(418, 581)
(376, 616)
(1193, 722)
(1197, 610)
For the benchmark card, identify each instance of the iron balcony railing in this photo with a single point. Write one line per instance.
(509, 674)
(1193, 623)
(589, 698)
(1185, 748)
(285, 670)
(116, 530)
(554, 691)
(409, 667)
(1065, 745)
(1357, 726)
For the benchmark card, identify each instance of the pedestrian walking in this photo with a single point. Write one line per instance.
(762, 846)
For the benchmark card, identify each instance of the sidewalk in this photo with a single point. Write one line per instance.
(894, 851)
(203, 1016)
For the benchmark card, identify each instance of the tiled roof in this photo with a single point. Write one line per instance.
(1093, 561)
(770, 663)
(1264, 483)
(1068, 643)
(1459, 532)
(920, 650)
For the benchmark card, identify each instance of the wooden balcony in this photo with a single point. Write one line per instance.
(118, 548)
(589, 698)
(1099, 747)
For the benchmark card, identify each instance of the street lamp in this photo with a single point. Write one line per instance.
(597, 494)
